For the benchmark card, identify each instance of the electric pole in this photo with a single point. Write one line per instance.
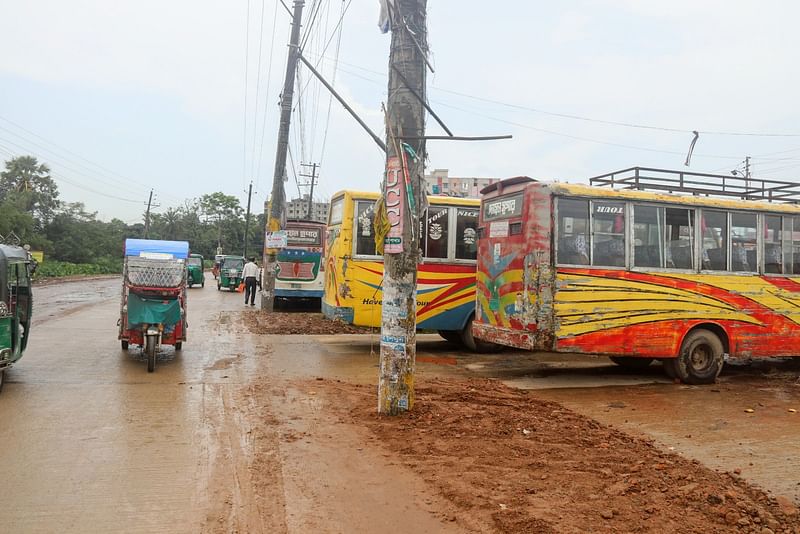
(403, 195)
(313, 177)
(247, 218)
(278, 198)
(147, 215)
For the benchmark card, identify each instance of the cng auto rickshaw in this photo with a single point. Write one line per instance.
(153, 307)
(230, 272)
(16, 304)
(194, 271)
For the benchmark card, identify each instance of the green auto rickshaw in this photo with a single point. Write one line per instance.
(194, 268)
(16, 304)
(230, 272)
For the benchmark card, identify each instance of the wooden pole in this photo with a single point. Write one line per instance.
(404, 197)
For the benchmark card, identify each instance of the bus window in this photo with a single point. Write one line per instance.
(794, 260)
(364, 238)
(715, 240)
(466, 233)
(436, 232)
(608, 228)
(680, 238)
(744, 238)
(573, 231)
(648, 236)
(336, 212)
(773, 258)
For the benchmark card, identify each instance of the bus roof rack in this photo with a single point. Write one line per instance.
(701, 184)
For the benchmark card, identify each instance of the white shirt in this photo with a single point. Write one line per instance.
(250, 270)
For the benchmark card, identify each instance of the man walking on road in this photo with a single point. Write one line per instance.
(250, 274)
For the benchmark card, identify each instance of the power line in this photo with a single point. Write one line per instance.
(340, 26)
(58, 177)
(61, 177)
(246, 76)
(258, 91)
(57, 159)
(583, 118)
(266, 106)
(120, 178)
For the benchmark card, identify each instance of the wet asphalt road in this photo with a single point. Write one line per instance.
(95, 443)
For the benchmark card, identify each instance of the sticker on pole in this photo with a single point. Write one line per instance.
(277, 239)
(395, 202)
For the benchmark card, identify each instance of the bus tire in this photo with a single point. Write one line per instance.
(2, 378)
(701, 358)
(453, 336)
(629, 362)
(124, 344)
(469, 341)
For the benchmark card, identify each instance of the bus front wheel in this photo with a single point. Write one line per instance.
(700, 360)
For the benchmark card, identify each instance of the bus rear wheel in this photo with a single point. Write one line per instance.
(700, 360)
(470, 342)
(630, 362)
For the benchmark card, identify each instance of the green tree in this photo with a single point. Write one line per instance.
(225, 212)
(29, 184)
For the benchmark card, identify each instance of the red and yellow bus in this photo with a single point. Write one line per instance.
(641, 275)
(301, 265)
(446, 276)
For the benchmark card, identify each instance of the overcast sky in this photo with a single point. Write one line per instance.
(118, 97)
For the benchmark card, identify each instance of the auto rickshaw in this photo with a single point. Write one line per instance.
(217, 263)
(194, 271)
(16, 304)
(153, 307)
(230, 272)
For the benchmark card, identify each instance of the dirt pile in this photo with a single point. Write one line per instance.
(521, 464)
(282, 323)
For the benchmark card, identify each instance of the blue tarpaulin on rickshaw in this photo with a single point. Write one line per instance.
(153, 310)
(143, 247)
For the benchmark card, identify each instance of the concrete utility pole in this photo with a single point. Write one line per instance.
(278, 198)
(247, 218)
(403, 194)
(147, 215)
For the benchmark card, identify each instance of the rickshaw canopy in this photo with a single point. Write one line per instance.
(157, 248)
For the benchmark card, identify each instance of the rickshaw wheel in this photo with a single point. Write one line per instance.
(124, 344)
(2, 378)
(150, 350)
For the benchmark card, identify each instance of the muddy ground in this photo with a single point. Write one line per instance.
(513, 462)
(265, 432)
(298, 323)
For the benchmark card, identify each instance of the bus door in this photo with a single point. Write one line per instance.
(509, 265)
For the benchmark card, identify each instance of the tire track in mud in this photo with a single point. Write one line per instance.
(245, 485)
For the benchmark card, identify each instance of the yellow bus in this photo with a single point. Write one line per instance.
(643, 264)
(446, 276)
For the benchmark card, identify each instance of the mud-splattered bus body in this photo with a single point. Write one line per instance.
(690, 279)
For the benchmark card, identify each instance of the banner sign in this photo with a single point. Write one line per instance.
(395, 201)
(277, 239)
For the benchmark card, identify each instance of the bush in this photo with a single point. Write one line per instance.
(54, 269)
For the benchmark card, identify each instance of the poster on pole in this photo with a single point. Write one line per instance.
(277, 239)
(395, 202)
